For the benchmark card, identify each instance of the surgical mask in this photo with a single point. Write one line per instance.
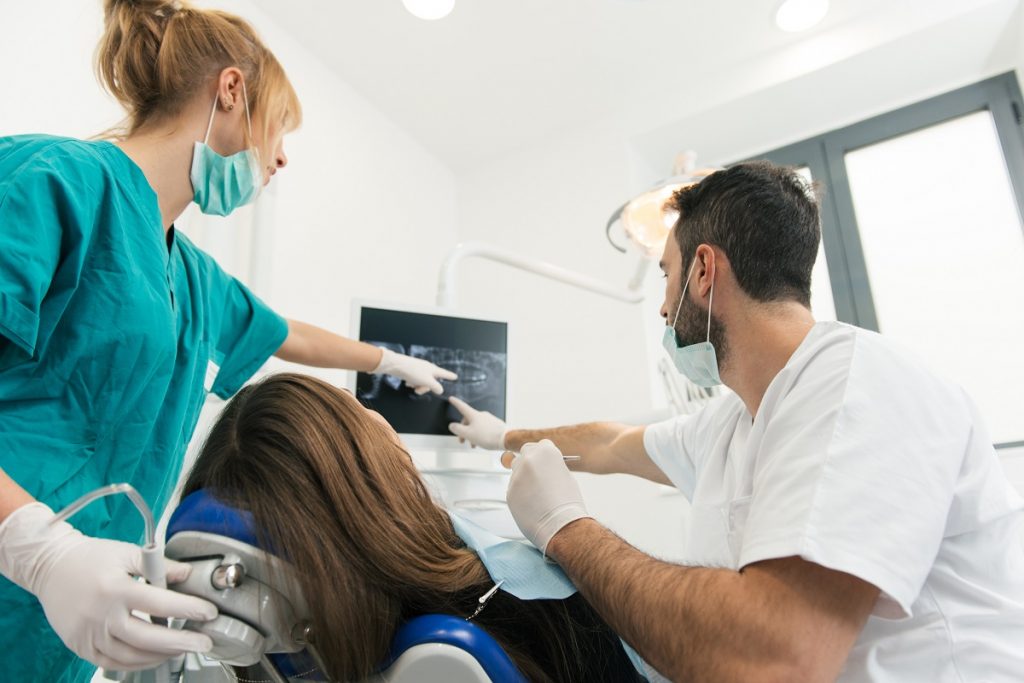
(221, 184)
(698, 362)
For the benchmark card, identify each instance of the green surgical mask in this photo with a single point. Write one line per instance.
(698, 362)
(221, 184)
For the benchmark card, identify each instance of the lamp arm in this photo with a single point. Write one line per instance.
(608, 228)
(446, 280)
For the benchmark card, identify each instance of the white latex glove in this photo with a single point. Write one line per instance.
(87, 590)
(419, 374)
(542, 493)
(478, 427)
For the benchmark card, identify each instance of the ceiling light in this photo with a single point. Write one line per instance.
(429, 9)
(800, 15)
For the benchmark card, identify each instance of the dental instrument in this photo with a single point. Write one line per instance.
(154, 569)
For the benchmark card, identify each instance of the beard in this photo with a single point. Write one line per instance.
(692, 328)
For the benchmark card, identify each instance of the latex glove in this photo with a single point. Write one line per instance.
(87, 590)
(478, 427)
(419, 374)
(542, 494)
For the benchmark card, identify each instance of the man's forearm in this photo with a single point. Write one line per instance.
(580, 439)
(310, 345)
(603, 447)
(690, 623)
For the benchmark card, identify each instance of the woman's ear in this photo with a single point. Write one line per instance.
(229, 88)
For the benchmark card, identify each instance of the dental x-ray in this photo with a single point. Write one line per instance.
(476, 350)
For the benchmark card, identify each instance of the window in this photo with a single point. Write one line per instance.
(922, 237)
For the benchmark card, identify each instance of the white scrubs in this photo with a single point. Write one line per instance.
(861, 460)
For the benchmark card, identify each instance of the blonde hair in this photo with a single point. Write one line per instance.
(156, 55)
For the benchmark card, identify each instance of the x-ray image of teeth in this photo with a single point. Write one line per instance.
(481, 383)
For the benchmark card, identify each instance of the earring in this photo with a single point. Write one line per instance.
(230, 107)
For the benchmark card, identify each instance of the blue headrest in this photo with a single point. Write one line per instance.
(442, 628)
(426, 629)
(200, 511)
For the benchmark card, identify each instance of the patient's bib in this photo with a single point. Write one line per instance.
(521, 567)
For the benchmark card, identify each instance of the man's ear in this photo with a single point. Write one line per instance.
(707, 265)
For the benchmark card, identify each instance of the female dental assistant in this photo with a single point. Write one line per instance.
(113, 327)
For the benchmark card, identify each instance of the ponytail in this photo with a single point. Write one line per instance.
(156, 55)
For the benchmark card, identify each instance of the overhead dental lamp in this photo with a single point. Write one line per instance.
(646, 219)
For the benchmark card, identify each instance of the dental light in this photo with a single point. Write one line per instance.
(645, 218)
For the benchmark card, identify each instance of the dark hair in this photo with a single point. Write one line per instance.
(766, 220)
(332, 489)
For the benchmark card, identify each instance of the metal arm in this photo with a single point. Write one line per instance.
(446, 282)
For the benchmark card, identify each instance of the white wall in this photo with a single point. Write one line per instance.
(578, 355)
(47, 83)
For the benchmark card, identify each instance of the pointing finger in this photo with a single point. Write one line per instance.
(461, 406)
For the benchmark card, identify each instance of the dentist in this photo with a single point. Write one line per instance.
(113, 328)
(849, 517)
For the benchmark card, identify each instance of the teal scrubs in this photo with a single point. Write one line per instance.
(111, 334)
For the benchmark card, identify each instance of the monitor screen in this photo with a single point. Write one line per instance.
(476, 350)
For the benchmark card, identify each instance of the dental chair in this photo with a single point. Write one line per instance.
(264, 618)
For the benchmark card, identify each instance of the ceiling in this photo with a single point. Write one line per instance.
(499, 74)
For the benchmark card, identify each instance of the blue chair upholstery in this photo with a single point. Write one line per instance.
(201, 511)
(443, 628)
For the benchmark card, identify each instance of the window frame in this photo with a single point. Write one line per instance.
(825, 156)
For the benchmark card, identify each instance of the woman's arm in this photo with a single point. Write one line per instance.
(12, 496)
(311, 345)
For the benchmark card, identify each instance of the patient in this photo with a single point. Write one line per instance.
(330, 486)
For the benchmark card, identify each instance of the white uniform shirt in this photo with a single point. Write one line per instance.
(862, 461)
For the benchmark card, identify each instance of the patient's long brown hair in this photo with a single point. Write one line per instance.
(331, 489)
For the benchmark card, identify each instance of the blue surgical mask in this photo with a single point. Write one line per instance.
(698, 362)
(221, 184)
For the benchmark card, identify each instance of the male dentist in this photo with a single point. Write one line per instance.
(850, 519)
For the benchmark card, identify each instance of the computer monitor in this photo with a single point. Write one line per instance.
(475, 349)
